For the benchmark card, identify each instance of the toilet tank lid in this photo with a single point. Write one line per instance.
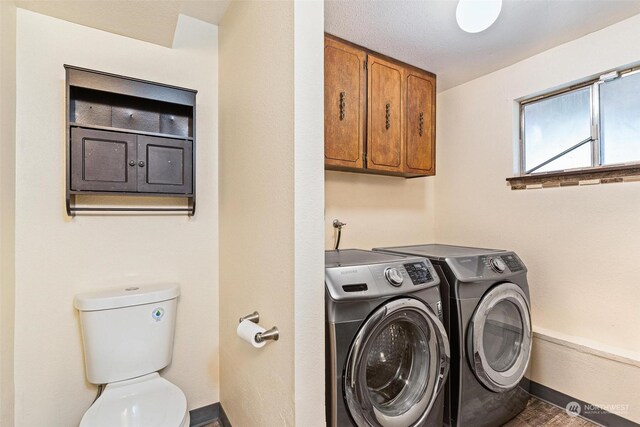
(126, 296)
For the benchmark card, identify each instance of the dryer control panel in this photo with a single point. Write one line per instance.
(494, 266)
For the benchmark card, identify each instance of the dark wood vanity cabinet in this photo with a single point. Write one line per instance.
(398, 102)
(103, 161)
(122, 162)
(129, 137)
(164, 165)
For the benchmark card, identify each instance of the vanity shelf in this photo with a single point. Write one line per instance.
(130, 137)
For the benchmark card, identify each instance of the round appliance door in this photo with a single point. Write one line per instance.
(397, 365)
(500, 337)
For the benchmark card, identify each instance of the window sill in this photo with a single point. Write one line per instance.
(598, 175)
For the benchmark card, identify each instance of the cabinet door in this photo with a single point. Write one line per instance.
(384, 131)
(164, 165)
(420, 124)
(344, 105)
(102, 160)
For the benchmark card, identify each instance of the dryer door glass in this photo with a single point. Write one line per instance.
(397, 365)
(500, 337)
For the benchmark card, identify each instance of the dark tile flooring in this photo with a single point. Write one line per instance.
(543, 414)
(536, 414)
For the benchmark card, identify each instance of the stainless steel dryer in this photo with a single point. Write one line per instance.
(387, 349)
(489, 327)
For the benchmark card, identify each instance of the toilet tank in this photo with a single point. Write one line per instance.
(127, 332)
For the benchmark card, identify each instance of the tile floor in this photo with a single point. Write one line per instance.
(537, 414)
(542, 414)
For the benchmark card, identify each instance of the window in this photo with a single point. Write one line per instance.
(587, 127)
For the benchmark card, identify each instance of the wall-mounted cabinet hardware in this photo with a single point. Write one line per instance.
(128, 137)
(379, 113)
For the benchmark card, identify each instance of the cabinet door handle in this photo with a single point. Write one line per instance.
(132, 162)
(421, 125)
(141, 163)
(387, 116)
(343, 104)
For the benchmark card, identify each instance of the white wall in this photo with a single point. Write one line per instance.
(308, 203)
(378, 210)
(7, 206)
(58, 256)
(271, 124)
(580, 243)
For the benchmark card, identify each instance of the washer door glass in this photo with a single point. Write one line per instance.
(397, 365)
(500, 337)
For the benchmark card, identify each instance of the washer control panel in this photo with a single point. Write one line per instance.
(393, 276)
(419, 273)
(383, 279)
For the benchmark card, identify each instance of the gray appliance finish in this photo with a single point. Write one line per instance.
(489, 326)
(387, 352)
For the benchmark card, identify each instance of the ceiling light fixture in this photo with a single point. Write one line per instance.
(474, 16)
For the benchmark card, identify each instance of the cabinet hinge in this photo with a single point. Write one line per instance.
(366, 64)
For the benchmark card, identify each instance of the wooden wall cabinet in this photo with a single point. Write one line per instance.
(384, 118)
(128, 137)
(398, 101)
(420, 123)
(344, 105)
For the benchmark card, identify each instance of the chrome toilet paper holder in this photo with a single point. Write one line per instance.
(269, 335)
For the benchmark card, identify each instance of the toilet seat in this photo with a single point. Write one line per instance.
(147, 401)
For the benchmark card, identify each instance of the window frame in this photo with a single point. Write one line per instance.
(573, 176)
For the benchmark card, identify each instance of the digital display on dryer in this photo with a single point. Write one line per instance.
(512, 262)
(418, 272)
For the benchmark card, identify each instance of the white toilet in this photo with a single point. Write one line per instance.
(127, 335)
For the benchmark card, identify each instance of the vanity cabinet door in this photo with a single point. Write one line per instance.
(102, 160)
(420, 124)
(384, 130)
(344, 105)
(164, 165)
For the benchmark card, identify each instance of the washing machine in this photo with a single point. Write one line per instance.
(387, 351)
(489, 325)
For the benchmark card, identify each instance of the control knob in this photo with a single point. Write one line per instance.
(393, 276)
(498, 265)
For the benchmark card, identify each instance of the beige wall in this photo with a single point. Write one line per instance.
(58, 256)
(7, 207)
(378, 210)
(257, 209)
(271, 122)
(580, 243)
(598, 378)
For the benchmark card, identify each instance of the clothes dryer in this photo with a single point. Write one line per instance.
(489, 325)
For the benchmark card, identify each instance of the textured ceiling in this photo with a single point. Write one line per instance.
(425, 34)
(153, 21)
